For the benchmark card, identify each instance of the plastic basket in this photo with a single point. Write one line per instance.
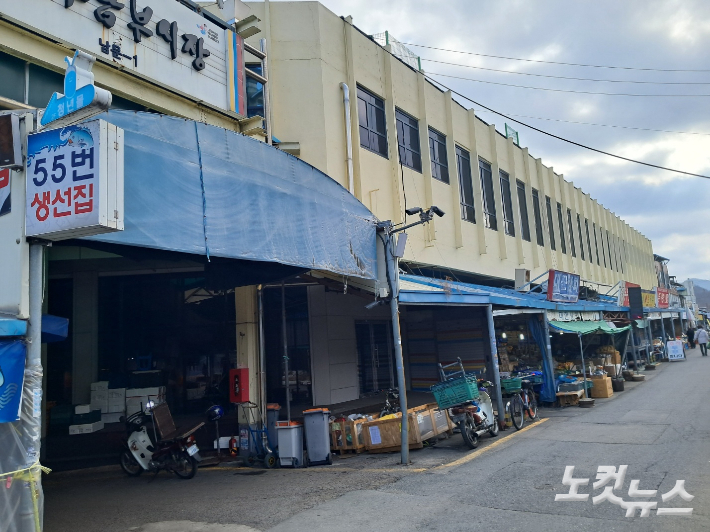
(511, 385)
(455, 392)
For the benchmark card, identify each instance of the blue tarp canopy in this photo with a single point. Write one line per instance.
(200, 189)
(12, 327)
(54, 328)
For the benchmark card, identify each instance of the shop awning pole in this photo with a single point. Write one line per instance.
(584, 367)
(548, 345)
(262, 355)
(494, 365)
(285, 340)
(633, 346)
(663, 332)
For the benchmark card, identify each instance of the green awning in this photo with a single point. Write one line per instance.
(586, 327)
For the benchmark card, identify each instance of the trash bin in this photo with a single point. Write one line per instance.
(316, 422)
(290, 440)
(273, 411)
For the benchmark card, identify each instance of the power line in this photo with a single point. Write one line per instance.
(571, 91)
(611, 125)
(557, 62)
(508, 117)
(566, 77)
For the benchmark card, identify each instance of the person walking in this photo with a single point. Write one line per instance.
(690, 333)
(702, 338)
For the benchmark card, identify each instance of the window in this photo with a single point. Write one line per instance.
(596, 242)
(463, 163)
(538, 218)
(371, 114)
(408, 141)
(601, 241)
(489, 202)
(507, 203)
(550, 227)
(255, 93)
(523, 206)
(570, 229)
(561, 225)
(623, 255)
(12, 78)
(439, 160)
(589, 242)
(581, 238)
(612, 263)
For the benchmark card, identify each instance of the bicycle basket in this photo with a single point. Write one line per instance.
(456, 391)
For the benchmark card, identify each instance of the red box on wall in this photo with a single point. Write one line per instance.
(239, 385)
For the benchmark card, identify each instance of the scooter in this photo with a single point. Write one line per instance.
(475, 418)
(174, 451)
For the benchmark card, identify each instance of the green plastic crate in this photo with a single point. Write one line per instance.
(511, 385)
(457, 391)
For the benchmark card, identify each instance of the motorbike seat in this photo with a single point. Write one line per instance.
(163, 420)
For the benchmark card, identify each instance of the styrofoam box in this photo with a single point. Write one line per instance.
(142, 392)
(113, 408)
(223, 442)
(101, 385)
(116, 394)
(87, 428)
(82, 409)
(112, 417)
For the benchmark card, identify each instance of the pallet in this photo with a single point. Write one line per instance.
(569, 398)
(425, 422)
(350, 451)
(395, 448)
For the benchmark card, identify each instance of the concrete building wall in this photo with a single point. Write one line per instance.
(312, 50)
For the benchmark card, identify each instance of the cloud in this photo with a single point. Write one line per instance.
(662, 34)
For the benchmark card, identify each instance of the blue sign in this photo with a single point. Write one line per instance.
(12, 372)
(81, 99)
(563, 287)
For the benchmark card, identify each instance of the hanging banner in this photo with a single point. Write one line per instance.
(649, 298)
(623, 296)
(662, 297)
(562, 287)
(12, 372)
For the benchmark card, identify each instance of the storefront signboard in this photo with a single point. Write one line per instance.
(649, 298)
(554, 315)
(675, 350)
(623, 296)
(562, 287)
(74, 181)
(161, 41)
(5, 191)
(662, 297)
(12, 371)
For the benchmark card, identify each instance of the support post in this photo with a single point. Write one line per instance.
(262, 353)
(393, 280)
(548, 345)
(584, 367)
(665, 338)
(284, 333)
(494, 365)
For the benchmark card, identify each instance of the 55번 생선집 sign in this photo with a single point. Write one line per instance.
(75, 181)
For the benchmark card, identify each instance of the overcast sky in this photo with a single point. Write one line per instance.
(668, 208)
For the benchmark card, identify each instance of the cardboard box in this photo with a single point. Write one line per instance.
(145, 392)
(610, 370)
(616, 358)
(602, 388)
(82, 409)
(111, 417)
(87, 428)
(101, 385)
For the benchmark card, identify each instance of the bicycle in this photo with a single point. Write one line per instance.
(523, 402)
(391, 405)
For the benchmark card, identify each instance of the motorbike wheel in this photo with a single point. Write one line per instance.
(270, 460)
(129, 464)
(468, 431)
(517, 412)
(532, 405)
(186, 467)
(494, 429)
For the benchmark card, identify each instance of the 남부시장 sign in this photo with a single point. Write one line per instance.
(562, 287)
(75, 181)
(162, 41)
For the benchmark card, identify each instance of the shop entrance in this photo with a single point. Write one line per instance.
(375, 356)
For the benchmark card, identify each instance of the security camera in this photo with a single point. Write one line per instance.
(413, 210)
(374, 304)
(436, 210)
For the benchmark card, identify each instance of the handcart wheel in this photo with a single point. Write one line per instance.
(270, 461)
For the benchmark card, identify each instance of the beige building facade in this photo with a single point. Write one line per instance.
(505, 209)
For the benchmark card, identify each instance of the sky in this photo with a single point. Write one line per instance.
(667, 207)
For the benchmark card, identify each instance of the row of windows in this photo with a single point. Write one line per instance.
(373, 137)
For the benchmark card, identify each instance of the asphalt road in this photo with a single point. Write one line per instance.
(658, 428)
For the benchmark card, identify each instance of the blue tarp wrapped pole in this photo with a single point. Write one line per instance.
(547, 394)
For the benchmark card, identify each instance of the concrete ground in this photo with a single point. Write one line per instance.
(658, 428)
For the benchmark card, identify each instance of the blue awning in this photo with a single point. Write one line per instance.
(234, 197)
(421, 290)
(54, 328)
(12, 327)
